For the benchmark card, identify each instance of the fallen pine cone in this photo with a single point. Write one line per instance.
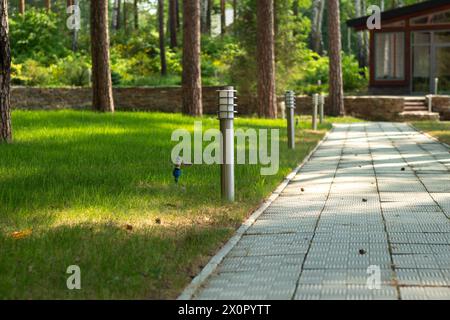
(129, 227)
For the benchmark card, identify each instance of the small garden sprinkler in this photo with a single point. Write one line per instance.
(179, 163)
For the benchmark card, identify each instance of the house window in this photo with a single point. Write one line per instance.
(435, 18)
(390, 56)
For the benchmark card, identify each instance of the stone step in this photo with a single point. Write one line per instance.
(416, 108)
(419, 115)
(414, 103)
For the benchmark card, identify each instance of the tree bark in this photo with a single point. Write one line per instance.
(177, 12)
(360, 37)
(336, 94)
(204, 16)
(162, 45)
(101, 72)
(5, 75)
(234, 11)
(209, 16)
(136, 15)
(173, 23)
(118, 21)
(267, 106)
(366, 52)
(21, 6)
(223, 20)
(316, 26)
(48, 5)
(192, 82)
(125, 15)
(114, 14)
(295, 8)
(74, 31)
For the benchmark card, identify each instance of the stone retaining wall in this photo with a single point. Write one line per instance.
(441, 104)
(168, 99)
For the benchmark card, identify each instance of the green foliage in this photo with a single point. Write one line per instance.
(42, 56)
(73, 70)
(37, 35)
(317, 69)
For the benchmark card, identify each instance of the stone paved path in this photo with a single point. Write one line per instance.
(375, 194)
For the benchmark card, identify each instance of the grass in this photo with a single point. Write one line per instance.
(95, 190)
(440, 130)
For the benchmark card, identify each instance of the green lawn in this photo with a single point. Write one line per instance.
(80, 180)
(440, 130)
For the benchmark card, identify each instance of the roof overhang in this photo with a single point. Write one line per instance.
(400, 13)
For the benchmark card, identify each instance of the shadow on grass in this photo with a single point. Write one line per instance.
(115, 263)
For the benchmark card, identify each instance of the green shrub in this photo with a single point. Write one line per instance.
(37, 34)
(317, 68)
(31, 73)
(73, 70)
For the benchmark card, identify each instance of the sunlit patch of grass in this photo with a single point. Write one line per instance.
(440, 130)
(96, 190)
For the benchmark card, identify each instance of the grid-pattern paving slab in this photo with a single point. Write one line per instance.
(367, 217)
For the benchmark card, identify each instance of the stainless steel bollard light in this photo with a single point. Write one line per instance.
(290, 108)
(430, 102)
(314, 115)
(226, 116)
(321, 108)
(436, 86)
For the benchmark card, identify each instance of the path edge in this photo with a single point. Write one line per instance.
(189, 292)
(428, 135)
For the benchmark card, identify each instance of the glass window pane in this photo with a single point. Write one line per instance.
(443, 68)
(421, 37)
(442, 37)
(389, 56)
(421, 69)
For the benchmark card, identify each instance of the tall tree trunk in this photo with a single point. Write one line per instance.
(136, 15)
(267, 106)
(74, 31)
(173, 23)
(162, 45)
(5, 75)
(360, 37)
(209, 16)
(21, 6)
(223, 21)
(177, 11)
(48, 5)
(336, 94)
(115, 12)
(316, 26)
(119, 13)
(366, 52)
(125, 15)
(192, 82)
(235, 11)
(203, 16)
(295, 8)
(101, 72)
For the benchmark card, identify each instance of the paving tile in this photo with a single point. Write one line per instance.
(374, 196)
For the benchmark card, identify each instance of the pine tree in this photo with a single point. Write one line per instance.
(101, 72)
